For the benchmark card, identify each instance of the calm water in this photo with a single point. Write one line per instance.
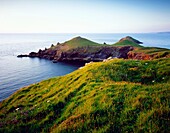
(19, 72)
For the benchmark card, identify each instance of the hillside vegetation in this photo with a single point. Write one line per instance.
(128, 41)
(80, 42)
(113, 96)
(74, 43)
(154, 51)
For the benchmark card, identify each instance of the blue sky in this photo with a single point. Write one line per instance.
(84, 16)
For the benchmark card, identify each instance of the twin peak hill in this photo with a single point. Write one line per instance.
(80, 49)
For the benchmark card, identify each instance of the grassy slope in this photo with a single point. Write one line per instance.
(80, 42)
(118, 96)
(160, 52)
(77, 44)
(127, 43)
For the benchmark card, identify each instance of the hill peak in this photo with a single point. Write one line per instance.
(129, 38)
(80, 41)
(78, 37)
(128, 41)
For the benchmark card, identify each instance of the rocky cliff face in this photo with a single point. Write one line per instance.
(139, 56)
(100, 53)
(85, 54)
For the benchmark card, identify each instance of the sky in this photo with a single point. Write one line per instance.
(84, 16)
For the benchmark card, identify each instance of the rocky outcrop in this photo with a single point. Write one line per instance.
(83, 54)
(139, 56)
(100, 53)
(22, 55)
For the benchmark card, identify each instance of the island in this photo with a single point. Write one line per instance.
(124, 87)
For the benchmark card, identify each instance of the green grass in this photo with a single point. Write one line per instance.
(154, 52)
(75, 43)
(151, 50)
(127, 43)
(80, 42)
(114, 96)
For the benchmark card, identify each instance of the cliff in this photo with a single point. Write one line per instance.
(86, 53)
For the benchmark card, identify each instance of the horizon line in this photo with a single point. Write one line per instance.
(82, 32)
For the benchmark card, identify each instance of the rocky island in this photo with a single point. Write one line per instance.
(80, 49)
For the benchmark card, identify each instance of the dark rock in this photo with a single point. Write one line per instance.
(39, 51)
(100, 54)
(82, 54)
(123, 52)
(33, 54)
(20, 56)
(54, 61)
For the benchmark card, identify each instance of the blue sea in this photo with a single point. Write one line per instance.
(16, 73)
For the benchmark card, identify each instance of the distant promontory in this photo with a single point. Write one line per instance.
(81, 49)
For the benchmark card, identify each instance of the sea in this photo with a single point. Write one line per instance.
(16, 73)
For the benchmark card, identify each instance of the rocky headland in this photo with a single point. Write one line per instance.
(80, 49)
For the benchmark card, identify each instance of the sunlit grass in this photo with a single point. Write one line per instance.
(114, 96)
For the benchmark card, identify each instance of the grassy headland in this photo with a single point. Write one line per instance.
(113, 96)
